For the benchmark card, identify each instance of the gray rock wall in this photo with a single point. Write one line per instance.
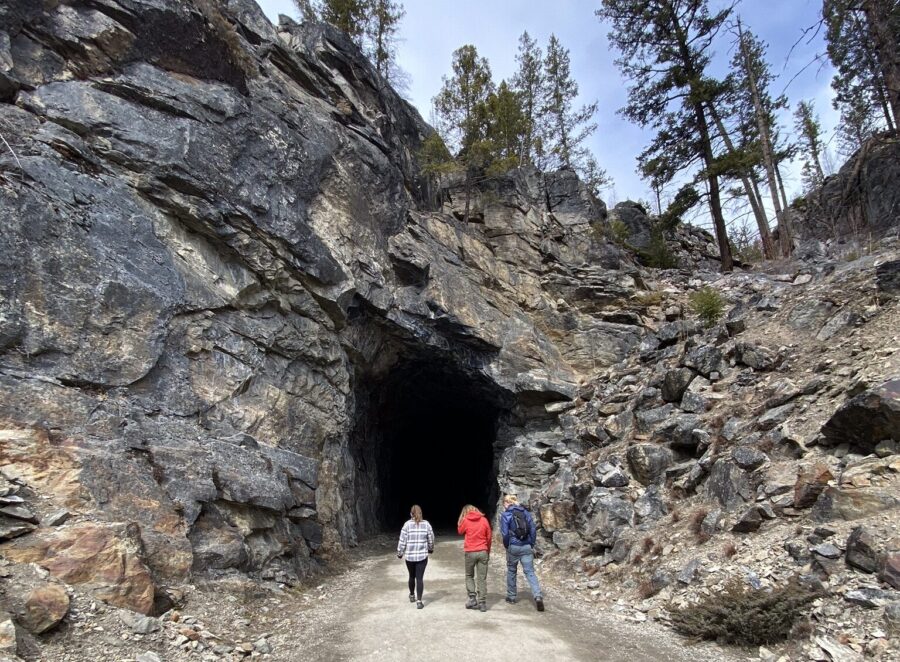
(215, 238)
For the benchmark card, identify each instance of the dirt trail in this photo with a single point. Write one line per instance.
(371, 619)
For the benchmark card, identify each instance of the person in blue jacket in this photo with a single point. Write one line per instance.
(519, 549)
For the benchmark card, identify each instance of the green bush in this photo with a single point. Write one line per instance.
(657, 253)
(744, 616)
(619, 232)
(707, 304)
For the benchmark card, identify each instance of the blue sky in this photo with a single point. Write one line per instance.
(433, 29)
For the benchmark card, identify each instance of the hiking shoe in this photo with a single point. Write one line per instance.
(482, 607)
(412, 598)
(420, 605)
(539, 603)
(471, 604)
(511, 601)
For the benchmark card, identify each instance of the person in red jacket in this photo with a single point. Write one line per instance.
(477, 545)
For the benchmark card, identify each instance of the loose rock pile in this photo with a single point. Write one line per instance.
(762, 449)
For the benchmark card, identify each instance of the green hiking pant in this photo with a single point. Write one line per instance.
(476, 575)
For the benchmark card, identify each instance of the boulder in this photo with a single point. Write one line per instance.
(755, 356)
(609, 514)
(728, 484)
(748, 458)
(104, 558)
(675, 383)
(44, 608)
(836, 503)
(609, 475)
(890, 571)
(866, 419)
(775, 416)
(8, 642)
(648, 462)
(749, 522)
(649, 506)
(861, 551)
(558, 516)
(705, 359)
(887, 279)
(870, 598)
(811, 482)
(566, 540)
(689, 572)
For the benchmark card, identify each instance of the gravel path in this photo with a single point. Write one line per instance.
(364, 614)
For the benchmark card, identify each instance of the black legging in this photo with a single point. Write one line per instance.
(416, 577)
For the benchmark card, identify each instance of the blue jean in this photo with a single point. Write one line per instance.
(524, 554)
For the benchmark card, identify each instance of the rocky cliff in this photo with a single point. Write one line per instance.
(217, 255)
(233, 310)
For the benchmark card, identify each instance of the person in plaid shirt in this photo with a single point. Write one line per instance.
(417, 542)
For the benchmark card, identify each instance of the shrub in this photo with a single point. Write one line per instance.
(697, 518)
(729, 550)
(619, 232)
(707, 304)
(649, 298)
(657, 253)
(744, 616)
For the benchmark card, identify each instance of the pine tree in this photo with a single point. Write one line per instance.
(347, 15)
(754, 82)
(383, 21)
(665, 47)
(506, 128)
(461, 107)
(864, 46)
(528, 83)
(567, 128)
(810, 132)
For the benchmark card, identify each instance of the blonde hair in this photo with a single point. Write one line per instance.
(510, 499)
(416, 513)
(468, 508)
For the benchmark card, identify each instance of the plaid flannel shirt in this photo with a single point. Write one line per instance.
(416, 540)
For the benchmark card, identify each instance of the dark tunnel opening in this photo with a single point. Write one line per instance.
(431, 437)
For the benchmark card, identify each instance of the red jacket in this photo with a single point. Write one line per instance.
(477, 532)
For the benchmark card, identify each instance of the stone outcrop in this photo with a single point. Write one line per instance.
(217, 254)
(859, 201)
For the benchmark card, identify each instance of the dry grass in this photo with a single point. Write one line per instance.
(676, 514)
(696, 520)
(637, 559)
(646, 589)
(743, 616)
(729, 550)
(648, 544)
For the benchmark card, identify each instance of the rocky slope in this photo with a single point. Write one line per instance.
(220, 264)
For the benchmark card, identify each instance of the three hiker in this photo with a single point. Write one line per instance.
(477, 546)
(519, 535)
(417, 542)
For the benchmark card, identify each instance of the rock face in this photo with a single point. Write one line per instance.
(867, 419)
(217, 254)
(859, 201)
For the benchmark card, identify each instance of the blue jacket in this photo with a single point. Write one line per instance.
(506, 523)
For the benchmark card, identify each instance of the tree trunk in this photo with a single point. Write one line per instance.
(759, 214)
(715, 204)
(886, 47)
(785, 231)
(784, 200)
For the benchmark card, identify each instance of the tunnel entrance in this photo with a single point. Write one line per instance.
(428, 437)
